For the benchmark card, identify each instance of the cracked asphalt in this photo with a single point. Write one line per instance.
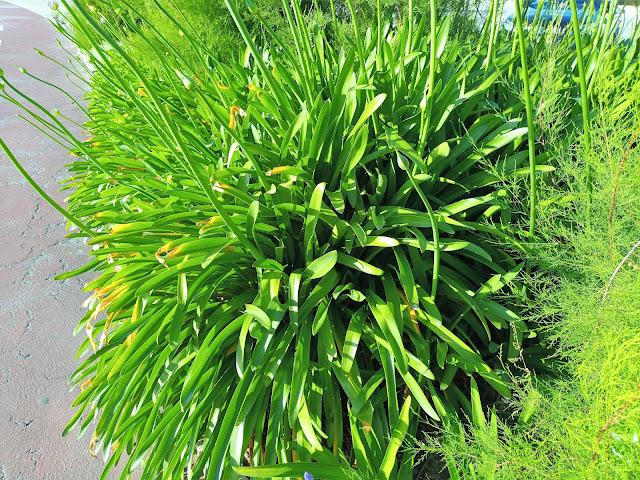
(37, 313)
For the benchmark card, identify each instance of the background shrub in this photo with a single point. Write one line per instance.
(214, 27)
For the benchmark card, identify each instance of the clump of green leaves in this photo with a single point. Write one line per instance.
(297, 252)
(300, 253)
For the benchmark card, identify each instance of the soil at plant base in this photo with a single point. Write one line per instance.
(37, 313)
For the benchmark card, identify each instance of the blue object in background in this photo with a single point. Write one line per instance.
(308, 476)
(559, 12)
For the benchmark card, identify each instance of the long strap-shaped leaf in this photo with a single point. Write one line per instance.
(399, 432)
(43, 194)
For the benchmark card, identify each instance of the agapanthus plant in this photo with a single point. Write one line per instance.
(297, 252)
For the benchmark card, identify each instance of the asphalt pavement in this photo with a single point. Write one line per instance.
(37, 313)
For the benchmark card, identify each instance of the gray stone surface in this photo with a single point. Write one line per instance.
(37, 313)
(41, 7)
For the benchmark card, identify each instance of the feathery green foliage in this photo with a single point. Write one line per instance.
(583, 421)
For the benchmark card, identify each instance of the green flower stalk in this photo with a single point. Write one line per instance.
(533, 188)
(585, 103)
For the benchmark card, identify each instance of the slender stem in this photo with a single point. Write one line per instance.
(615, 272)
(514, 46)
(55, 125)
(357, 39)
(434, 227)
(410, 28)
(436, 237)
(428, 96)
(432, 53)
(602, 14)
(486, 27)
(43, 194)
(585, 103)
(499, 21)
(379, 20)
(335, 19)
(492, 39)
(361, 58)
(604, 40)
(296, 38)
(530, 124)
(62, 91)
(304, 36)
(51, 136)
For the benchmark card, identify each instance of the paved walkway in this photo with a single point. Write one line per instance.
(37, 314)
(41, 7)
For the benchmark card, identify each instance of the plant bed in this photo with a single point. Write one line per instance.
(308, 256)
